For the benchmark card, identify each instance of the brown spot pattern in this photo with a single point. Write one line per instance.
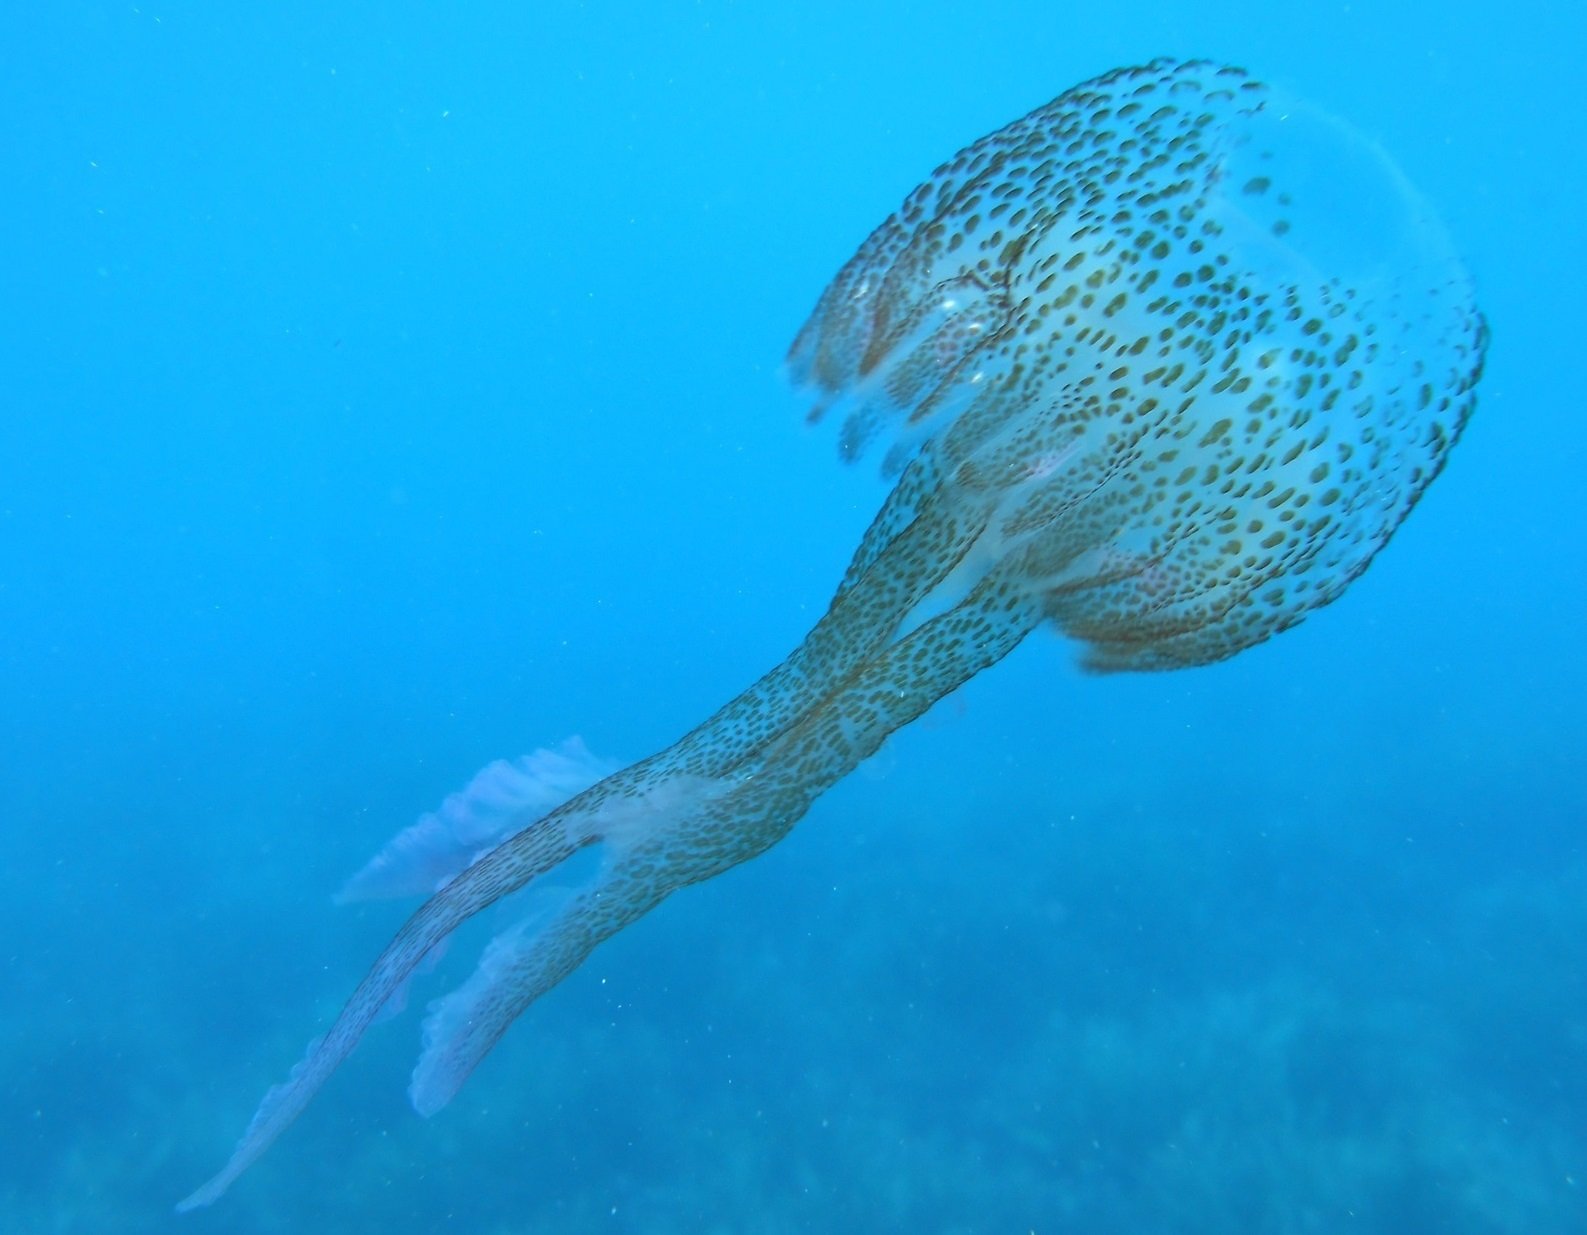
(1179, 429)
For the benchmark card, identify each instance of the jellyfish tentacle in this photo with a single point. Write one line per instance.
(915, 543)
(866, 612)
(538, 848)
(461, 1028)
(697, 828)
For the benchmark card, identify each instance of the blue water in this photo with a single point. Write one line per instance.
(389, 388)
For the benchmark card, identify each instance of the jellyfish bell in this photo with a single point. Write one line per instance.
(1163, 364)
(1222, 348)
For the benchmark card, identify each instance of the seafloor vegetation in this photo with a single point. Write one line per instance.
(1184, 1022)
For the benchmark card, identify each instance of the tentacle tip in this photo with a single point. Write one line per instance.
(201, 1198)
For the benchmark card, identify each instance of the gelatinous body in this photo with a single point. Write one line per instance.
(1164, 363)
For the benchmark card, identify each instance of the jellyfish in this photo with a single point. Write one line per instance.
(1162, 365)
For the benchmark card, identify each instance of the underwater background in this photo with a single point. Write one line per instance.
(390, 388)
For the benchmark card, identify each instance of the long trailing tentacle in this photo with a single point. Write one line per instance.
(915, 541)
(706, 826)
(885, 582)
(534, 851)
